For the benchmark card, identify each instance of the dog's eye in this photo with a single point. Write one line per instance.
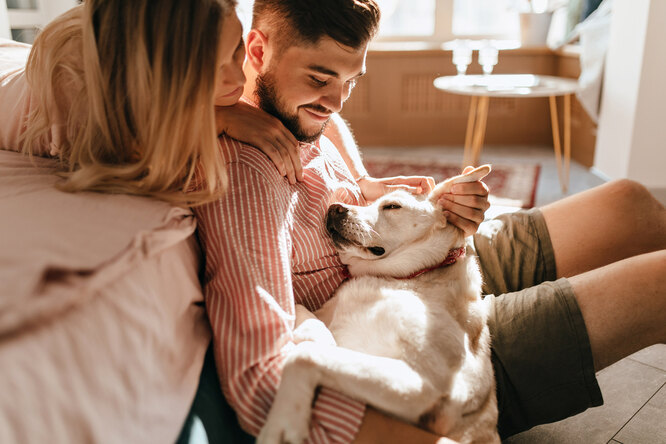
(377, 251)
(391, 207)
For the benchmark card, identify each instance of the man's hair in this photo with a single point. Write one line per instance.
(352, 23)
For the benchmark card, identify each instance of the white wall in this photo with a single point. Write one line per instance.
(4, 21)
(631, 141)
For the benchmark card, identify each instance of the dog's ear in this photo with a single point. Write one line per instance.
(477, 173)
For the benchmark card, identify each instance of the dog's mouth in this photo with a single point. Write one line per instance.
(340, 242)
(377, 251)
(335, 230)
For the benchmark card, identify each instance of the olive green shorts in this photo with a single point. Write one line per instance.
(540, 348)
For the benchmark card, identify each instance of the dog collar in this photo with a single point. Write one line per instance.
(450, 259)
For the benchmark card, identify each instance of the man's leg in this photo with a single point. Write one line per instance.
(544, 360)
(624, 306)
(603, 225)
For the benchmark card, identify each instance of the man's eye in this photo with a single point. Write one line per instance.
(391, 207)
(318, 82)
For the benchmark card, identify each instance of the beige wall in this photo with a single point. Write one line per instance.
(632, 127)
(396, 103)
(4, 21)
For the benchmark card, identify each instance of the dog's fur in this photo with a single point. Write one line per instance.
(417, 348)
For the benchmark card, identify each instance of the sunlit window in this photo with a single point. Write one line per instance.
(437, 20)
(244, 10)
(407, 18)
(493, 18)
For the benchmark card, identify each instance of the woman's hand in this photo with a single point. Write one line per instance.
(258, 128)
(373, 188)
(466, 205)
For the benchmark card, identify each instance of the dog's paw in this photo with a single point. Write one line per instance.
(284, 428)
(288, 420)
(313, 330)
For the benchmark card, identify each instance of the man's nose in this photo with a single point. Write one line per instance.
(334, 99)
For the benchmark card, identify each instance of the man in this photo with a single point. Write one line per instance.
(266, 249)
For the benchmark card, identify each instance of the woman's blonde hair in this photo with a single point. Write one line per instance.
(134, 80)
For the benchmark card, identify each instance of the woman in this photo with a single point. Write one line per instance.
(121, 92)
(125, 102)
(102, 100)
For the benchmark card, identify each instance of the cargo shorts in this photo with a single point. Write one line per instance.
(540, 348)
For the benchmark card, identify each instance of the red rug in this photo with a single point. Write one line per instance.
(510, 185)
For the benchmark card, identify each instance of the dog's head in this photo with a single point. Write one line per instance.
(399, 233)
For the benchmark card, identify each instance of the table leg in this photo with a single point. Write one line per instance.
(567, 140)
(480, 129)
(471, 121)
(556, 138)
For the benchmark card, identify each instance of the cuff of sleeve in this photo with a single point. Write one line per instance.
(339, 415)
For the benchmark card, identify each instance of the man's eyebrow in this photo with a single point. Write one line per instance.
(330, 72)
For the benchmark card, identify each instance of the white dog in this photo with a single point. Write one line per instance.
(409, 328)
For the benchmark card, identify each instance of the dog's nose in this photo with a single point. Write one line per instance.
(336, 214)
(337, 211)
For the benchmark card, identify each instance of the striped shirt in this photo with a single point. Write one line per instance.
(266, 248)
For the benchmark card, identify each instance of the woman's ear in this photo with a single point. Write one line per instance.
(256, 46)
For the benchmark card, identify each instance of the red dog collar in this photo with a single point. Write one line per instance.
(450, 259)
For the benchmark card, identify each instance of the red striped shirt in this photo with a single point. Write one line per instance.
(266, 248)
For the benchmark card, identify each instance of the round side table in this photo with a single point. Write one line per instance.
(482, 87)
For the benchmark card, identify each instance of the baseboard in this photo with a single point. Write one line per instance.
(600, 174)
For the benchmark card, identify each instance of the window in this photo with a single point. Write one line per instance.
(437, 20)
(26, 17)
(414, 18)
(442, 20)
(498, 18)
(244, 10)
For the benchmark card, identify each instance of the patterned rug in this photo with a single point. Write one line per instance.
(510, 185)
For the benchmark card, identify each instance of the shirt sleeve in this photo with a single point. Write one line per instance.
(246, 236)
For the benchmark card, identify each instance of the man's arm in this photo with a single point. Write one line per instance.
(466, 206)
(379, 428)
(250, 303)
(338, 132)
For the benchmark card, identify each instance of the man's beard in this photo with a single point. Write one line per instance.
(269, 101)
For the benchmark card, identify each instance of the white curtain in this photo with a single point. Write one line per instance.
(4, 21)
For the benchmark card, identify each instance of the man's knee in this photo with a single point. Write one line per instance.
(632, 193)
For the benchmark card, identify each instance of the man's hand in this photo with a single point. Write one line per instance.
(373, 188)
(466, 206)
(258, 128)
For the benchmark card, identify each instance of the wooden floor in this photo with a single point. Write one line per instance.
(634, 389)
